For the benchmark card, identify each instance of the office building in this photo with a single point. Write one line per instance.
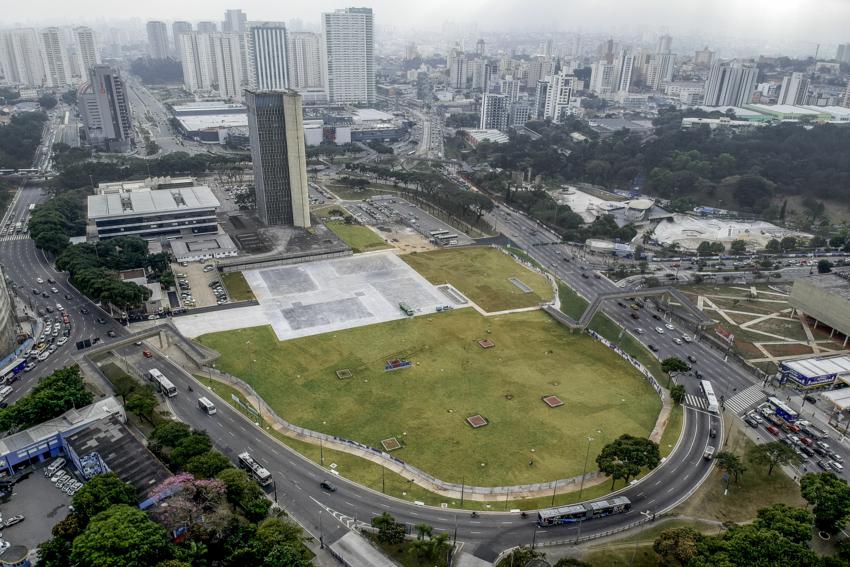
(659, 71)
(207, 27)
(510, 88)
(558, 96)
(495, 111)
(794, 90)
(625, 67)
(540, 95)
(267, 56)
(480, 48)
(846, 101)
(276, 131)
(665, 43)
(703, 57)
(842, 54)
(150, 210)
(57, 69)
(86, 49)
(520, 114)
(483, 74)
(212, 63)
(603, 77)
(537, 69)
(304, 60)
(825, 298)
(730, 84)
(178, 29)
(348, 52)
(157, 40)
(235, 21)
(20, 57)
(105, 110)
(457, 64)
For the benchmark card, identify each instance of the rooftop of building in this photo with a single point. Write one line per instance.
(820, 366)
(195, 123)
(785, 109)
(370, 115)
(147, 201)
(149, 183)
(837, 282)
(208, 106)
(202, 243)
(69, 420)
(494, 136)
(122, 452)
(605, 125)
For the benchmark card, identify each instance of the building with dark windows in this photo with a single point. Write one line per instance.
(276, 132)
(105, 110)
(152, 209)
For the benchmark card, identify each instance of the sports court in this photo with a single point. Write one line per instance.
(320, 297)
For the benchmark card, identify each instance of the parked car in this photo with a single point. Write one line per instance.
(16, 519)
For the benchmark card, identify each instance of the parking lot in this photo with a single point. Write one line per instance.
(41, 504)
(199, 284)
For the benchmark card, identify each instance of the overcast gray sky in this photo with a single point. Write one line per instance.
(797, 20)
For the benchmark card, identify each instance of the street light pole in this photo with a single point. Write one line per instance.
(584, 471)
(321, 532)
(462, 483)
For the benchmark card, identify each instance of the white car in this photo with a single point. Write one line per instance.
(669, 326)
(43, 356)
(686, 338)
(59, 307)
(639, 331)
(659, 330)
(677, 340)
(39, 280)
(62, 341)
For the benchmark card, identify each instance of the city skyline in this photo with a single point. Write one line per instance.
(782, 20)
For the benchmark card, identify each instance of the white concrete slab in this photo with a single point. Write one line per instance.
(320, 297)
(358, 552)
(216, 321)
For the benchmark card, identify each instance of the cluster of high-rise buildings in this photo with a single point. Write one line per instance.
(336, 66)
(59, 58)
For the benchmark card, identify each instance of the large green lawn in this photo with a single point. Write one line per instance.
(425, 406)
(360, 238)
(482, 274)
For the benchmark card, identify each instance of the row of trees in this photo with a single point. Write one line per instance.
(157, 71)
(20, 138)
(427, 547)
(430, 187)
(51, 397)
(55, 221)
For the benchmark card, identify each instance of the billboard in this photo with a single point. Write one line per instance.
(724, 334)
(803, 379)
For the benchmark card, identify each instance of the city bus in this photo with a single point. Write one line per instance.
(32, 207)
(10, 373)
(436, 233)
(583, 512)
(708, 390)
(206, 406)
(163, 384)
(260, 473)
(447, 239)
(782, 410)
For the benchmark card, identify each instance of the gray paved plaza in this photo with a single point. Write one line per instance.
(319, 297)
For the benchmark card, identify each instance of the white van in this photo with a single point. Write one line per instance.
(4, 392)
(206, 406)
(54, 466)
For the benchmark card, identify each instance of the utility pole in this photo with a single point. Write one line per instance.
(584, 471)
(462, 483)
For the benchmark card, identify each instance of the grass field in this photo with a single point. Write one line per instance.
(360, 238)
(237, 287)
(425, 407)
(482, 274)
(572, 303)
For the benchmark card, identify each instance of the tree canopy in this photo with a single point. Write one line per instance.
(624, 457)
(830, 497)
(122, 535)
(52, 396)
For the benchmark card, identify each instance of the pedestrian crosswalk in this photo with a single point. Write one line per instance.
(743, 400)
(8, 237)
(696, 401)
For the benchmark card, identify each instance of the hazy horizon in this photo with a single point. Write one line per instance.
(783, 21)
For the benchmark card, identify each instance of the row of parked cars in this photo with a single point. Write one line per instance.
(806, 440)
(62, 480)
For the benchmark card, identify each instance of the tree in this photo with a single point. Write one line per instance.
(773, 246)
(244, 493)
(730, 463)
(837, 241)
(170, 433)
(50, 398)
(830, 497)
(788, 243)
(100, 493)
(824, 266)
(423, 531)
(772, 454)
(677, 546)
(738, 247)
(389, 531)
(55, 552)
(192, 446)
(673, 364)
(704, 248)
(793, 523)
(208, 464)
(122, 535)
(142, 403)
(624, 457)
(677, 393)
(47, 101)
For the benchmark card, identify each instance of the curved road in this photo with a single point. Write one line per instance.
(331, 514)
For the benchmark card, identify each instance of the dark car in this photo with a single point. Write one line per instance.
(692, 359)
(807, 451)
(656, 317)
(327, 486)
(810, 398)
(751, 422)
(35, 291)
(565, 259)
(712, 432)
(45, 294)
(111, 333)
(84, 311)
(698, 375)
(822, 465)
(653, 348)
(68, 296)
(634, 316)
(101, 321)
(585, 276)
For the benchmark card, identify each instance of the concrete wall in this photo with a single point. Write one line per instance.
(820, 304)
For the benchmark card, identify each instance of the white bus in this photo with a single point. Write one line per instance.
(32, 207)
(260, 474)
(163, 384)
(206, 406)
(4, 392)
(436, 233)
(713, 406)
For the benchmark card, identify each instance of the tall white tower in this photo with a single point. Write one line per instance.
(349, 55)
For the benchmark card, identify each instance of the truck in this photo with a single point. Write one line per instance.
(709, 453)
